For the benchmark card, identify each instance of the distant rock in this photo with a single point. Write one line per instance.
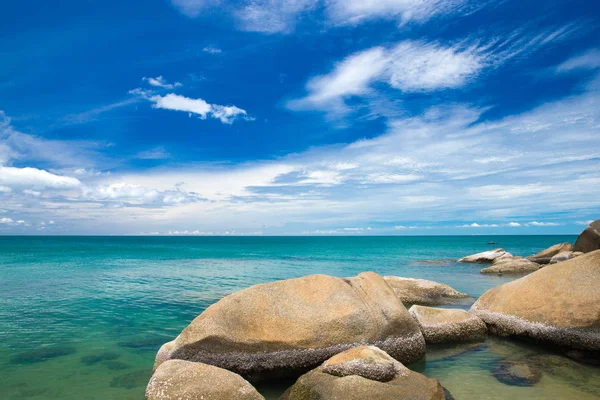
(177, 380)
(364, 373)
(511, 265)
(589, 240)
(564, 256)
(443, 325)
(423, 292)
(285, 328)
(485, 257)
(559, 304)
(544, 256)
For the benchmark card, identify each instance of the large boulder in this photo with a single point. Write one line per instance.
(511, 265)
(564, 256)
(420, 291)
(486, 257)
(559, 304)
(589, 240)
(444, 325)
(288, 327)
(364, 373)
(544, 256)
(177, 379)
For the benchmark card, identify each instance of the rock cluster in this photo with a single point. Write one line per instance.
(544, 256)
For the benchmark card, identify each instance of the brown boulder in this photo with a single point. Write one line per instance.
(511, 265)
(352, 379)
(589, 240)
(177, 380)
(559, 304)
(486, 257)
(443, 325)
(423, 292)
(285, 328)
(544, 256)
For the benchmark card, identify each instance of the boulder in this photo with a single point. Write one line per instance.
(486, 257)
(544, 256)
(443, 325)
(364, 373)
(420, 291)
(564, 256)
(511, 265)
(589, 240)
(287, 327)
(559, 304)
(177, 379)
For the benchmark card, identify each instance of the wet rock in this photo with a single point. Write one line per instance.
(423, 292)
(177, 379)
(96, 358)
(559, 305)
(511, 265)
(351, 379)
(285, 328)
(116, 365)
(516, 373)
(131, 380)
(42, 354)
(486, 257)
(440, 325)
(544, 256)
(564, 256)
(589, 240)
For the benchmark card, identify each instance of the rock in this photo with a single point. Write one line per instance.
(177, 379)
(559, 304)
(589, 240)
(564, 256)
(131, 380)
(443, 325)
(486, 257)
(544, 256)
(352, 379)
(516, 373)
(96, 358)
(285, 328)
(511, 265)
(423, 292)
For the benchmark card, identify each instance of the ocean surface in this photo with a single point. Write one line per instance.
(82, 317)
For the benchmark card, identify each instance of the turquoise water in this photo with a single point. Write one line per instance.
(82, 317)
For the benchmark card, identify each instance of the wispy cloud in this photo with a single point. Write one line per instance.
(212, 50)
(161, 82)
(588, 60)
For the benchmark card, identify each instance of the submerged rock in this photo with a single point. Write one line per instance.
(178, 379)
(564, 256)
(149, 343)
(486, 257)
(544, 256)
(131, 380)
(516, 373)
(589, 240)
(511, 265)
(364, 373)
(42, 354)
(114, 365)
(440, 325)
(423, 292)
(96, 358)
(559, 304)
(285, 328)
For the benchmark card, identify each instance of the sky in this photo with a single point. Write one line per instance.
(299, 117)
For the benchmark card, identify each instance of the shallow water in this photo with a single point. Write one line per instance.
(82, 317)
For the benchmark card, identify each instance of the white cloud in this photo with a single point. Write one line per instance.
(589, 221)
(588, 60)
(212, 50)
(159, 81)
(156, 153)
(32, 192)
(402, 227)
(9, 221)
(37, 178)
(536, 223)
(226, 114)
(5, 189)
(272, 16)
(5, 220)
(139, 195)
(193, 8)
(513, 224)
(476, 225)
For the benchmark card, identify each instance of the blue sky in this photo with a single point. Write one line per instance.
(325, 117)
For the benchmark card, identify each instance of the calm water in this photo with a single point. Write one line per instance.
(82, 317)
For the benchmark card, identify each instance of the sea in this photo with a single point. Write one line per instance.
(83, 317)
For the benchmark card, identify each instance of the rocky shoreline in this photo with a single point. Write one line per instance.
(351, 338)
